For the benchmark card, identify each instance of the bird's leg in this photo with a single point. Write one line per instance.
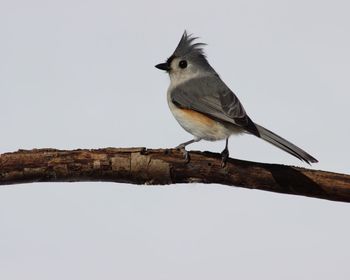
(224, 154)
(182, 146)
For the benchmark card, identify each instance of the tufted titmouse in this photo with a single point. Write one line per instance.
(205, 107)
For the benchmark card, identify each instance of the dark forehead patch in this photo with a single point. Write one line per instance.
(170, 59)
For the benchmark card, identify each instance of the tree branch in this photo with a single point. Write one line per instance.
(167, 166)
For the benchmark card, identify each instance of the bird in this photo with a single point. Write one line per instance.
(205, 106)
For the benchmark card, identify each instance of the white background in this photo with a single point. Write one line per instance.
(80, 74)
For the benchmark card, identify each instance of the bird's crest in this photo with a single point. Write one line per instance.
(187, 46)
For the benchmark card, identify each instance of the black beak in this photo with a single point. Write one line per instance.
(163, 66)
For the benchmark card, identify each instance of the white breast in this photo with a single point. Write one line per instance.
(200, 125)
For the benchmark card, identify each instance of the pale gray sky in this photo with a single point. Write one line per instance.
(80, 74)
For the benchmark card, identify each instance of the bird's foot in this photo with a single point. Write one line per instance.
(180, 147)
(185, 153)
(224, 157)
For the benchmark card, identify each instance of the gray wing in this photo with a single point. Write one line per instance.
(210, 96)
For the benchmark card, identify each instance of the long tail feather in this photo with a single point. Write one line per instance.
(285, 145)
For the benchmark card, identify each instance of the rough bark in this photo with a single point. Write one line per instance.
(167, 166)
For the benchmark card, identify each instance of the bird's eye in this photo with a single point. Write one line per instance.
(183, 64)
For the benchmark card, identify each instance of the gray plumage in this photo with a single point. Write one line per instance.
(210, 95)
(191, 51)
(196, 86)
(187, 46)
